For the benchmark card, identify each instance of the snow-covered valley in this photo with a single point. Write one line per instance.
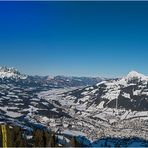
(96, 122)
(112, 108)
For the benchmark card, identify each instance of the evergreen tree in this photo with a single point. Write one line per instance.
(52, 140)
(73, 142)
(38, 138)
(17, 137)
(46, 138)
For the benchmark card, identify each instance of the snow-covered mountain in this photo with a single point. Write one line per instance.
(19, 93)
(129, 92)
(76, 81)
(112, 108)
(11, 73)
(101, 110)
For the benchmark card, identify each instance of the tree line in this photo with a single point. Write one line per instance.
(15, 136)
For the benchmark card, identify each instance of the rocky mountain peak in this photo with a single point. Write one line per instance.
(135, 75)
(6, 72)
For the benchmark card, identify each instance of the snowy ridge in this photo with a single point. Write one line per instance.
(55, 81)
(130, 92)
(129, 79)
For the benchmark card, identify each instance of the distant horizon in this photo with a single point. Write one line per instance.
(107, 39)
(95, 76)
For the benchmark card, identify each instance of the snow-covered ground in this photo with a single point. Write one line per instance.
(96, 122)
(83, 111)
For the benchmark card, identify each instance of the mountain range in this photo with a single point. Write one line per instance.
(129, 92)
(19, 92)
(12, 74)
(82, 106)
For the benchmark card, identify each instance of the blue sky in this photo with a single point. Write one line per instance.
(74, 38)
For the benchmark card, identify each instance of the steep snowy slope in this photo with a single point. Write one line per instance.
(129, 92)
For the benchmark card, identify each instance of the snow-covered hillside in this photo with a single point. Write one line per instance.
(114, 108)
(129, 92)
(105, 109)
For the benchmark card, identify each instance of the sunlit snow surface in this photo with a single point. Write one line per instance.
(97, 121)
(82, 111)
(11, 73)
